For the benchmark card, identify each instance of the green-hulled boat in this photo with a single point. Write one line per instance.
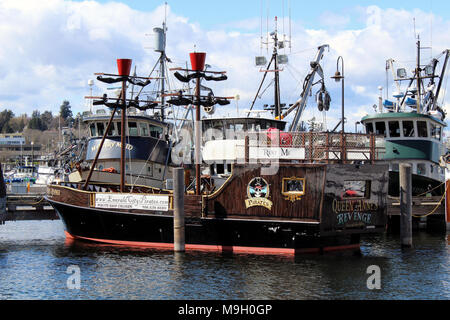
(413, 127)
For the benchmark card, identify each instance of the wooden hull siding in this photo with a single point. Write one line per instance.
(321, 202)
(249, 210)
(230, 200)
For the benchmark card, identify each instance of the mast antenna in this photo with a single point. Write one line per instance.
(290, 39)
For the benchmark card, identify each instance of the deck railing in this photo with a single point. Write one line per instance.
(318, 146)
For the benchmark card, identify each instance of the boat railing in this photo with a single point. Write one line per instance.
(317, 146)
(108, 187)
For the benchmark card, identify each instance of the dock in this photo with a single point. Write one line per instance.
(427, 213)
(28, 206)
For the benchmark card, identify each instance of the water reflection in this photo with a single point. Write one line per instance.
(33, 266)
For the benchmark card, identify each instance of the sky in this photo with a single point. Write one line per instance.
(51, 48)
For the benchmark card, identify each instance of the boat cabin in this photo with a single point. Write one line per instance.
(236, 128)
(410, 136)
(404, 125)
(231, 131)
(139, 125)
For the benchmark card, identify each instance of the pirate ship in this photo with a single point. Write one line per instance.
(285, 192)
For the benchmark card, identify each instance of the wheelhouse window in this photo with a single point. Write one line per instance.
(394, 129)
(100, 128)
(144, 129)
(435, 132)
(380, 128)
(422, 129)
(112, 130)
(132, 129)
(93, 129)
(369, 128)
(408, 128)
(156, 132)
(119, 128)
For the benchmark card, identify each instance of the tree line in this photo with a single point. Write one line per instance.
(9, 123)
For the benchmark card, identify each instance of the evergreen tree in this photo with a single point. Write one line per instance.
(66, 112)
(47, 119)
(36, 121)
(5, 117)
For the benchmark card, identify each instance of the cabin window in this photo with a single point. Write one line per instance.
(100, 128)
(421, 169)
(93, 130)
(380, 128)
(132, 129)
(394, 167)
(156, 132)
(369, 127)
(408, 129)
(422, 129)
(436, 132)
(293, 186)
(431, 168)
(230, 131)
(394, 129)
(119, 128)
(356, 189)
(220, 169)
(111, 131)
(144, 129)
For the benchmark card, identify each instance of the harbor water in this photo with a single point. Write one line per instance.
(36, 262)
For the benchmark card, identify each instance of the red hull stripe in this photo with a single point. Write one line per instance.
(218, 248)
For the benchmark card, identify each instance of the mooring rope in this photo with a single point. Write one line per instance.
(435, 208)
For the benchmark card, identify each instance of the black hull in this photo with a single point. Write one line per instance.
(150, 230)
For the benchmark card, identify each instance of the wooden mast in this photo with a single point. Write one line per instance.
(124, 66)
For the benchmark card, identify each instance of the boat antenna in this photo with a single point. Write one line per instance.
(260, 30)
(267, 28)
(418, 74)
(290, 38)
(277, 74)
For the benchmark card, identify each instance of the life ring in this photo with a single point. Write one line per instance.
(111, 170)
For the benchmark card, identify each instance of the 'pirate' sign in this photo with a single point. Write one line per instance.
(257, 193)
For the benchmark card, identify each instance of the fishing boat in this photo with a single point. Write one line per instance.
(412, 124)
(148, 137)
(147, 148)
(280, 192)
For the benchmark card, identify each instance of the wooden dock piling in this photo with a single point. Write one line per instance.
(178, 212)
(405, 205)
(2, 197)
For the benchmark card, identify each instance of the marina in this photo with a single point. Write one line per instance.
(161, 188)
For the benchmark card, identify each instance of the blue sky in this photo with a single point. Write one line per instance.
(214, 13)
(50, 49)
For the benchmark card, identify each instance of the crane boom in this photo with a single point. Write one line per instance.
(300, 104)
